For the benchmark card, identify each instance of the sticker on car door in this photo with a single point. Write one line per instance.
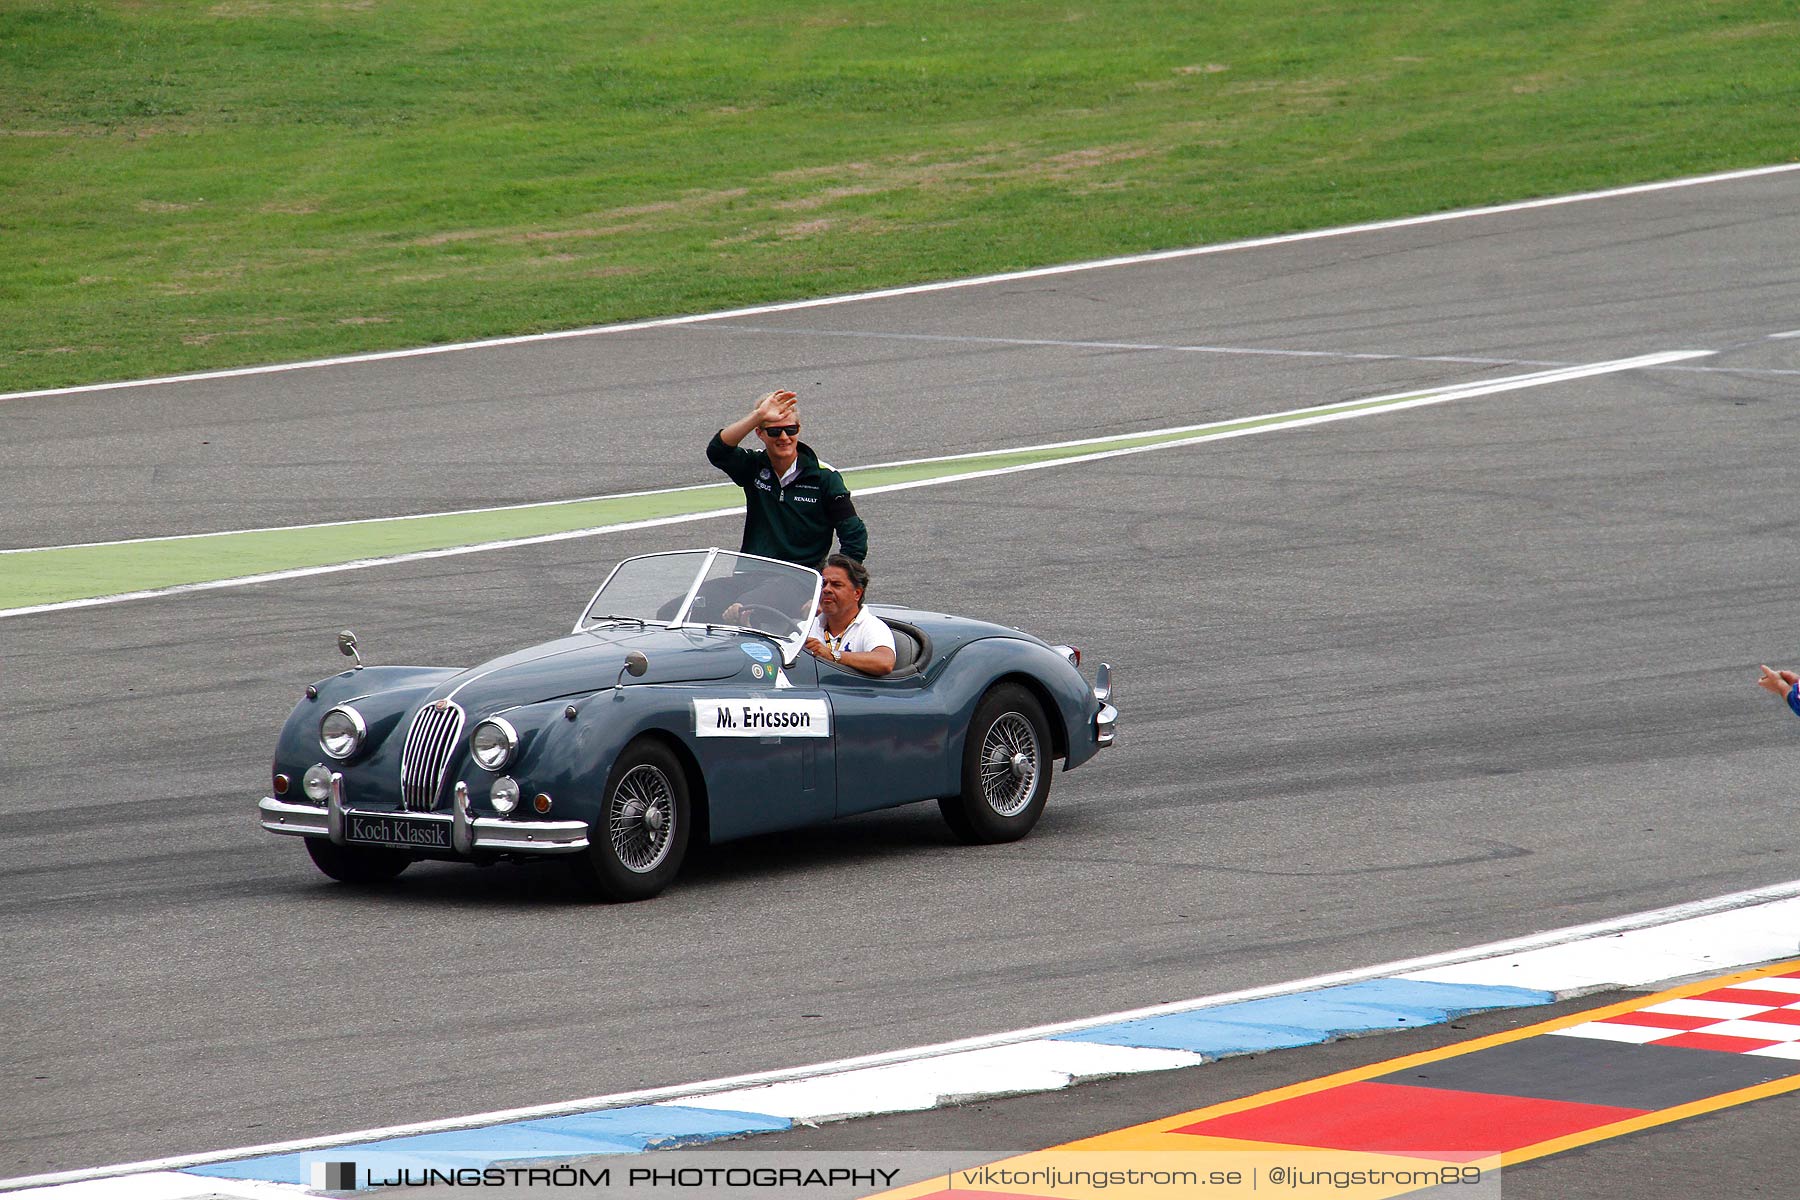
(760, 718)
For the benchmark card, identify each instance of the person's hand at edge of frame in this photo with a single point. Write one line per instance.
(1778, 682)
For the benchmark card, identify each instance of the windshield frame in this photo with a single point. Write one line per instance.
(790, 646)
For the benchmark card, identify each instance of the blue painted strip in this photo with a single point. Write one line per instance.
(609, 1131)
(1307, 1018)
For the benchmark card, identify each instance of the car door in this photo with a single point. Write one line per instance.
(890, 736)
(765, 745)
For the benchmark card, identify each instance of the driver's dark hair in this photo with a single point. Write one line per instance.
(859, 574)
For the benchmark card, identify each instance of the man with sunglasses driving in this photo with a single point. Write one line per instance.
(792, 501)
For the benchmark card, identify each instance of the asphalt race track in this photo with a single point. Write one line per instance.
(1389, 686)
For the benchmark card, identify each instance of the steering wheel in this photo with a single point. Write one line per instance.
(747, 611)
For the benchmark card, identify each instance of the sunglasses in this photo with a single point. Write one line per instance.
(780, 431)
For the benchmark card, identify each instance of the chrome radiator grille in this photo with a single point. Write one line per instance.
(427, 752)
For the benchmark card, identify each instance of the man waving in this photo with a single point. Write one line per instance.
(792, 501)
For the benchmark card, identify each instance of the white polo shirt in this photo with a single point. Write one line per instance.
(866, 632)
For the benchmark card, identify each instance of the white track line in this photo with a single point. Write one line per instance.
(362, 564)
(1163, 347)
(1211, 431)
(1510, 946)
(1246, 351)
(453, 512)
(942, 286)
(1552, 374)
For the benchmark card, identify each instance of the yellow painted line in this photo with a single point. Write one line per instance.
(1154, 1142)
(1358, 1074)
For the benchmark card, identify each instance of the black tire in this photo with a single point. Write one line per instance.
(640, 835)
(1005, 769)
(357, 864)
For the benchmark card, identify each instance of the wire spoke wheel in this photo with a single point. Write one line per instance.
(1009, 764)
(1006, 765)
(640, 828)
(641, 819)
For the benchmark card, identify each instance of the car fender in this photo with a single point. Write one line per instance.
(1068, 700)
(381, 695)
(568, 745)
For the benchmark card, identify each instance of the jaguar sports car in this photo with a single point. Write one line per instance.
(681, 709)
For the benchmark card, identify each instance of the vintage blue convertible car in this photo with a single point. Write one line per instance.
(682, 707)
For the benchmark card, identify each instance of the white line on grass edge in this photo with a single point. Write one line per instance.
(1211, 431)
(940, 286)
(1536, 941)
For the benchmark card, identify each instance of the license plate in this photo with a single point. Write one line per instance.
(411, 833)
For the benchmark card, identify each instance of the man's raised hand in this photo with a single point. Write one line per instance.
(775, 408)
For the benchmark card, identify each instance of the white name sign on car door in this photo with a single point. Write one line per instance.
(759, 718)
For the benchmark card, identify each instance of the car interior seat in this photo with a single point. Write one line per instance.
(912, 648)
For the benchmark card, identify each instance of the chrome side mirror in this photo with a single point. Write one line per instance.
(635, 666)
(347, 647)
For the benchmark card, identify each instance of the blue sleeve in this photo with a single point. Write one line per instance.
(1794, 699)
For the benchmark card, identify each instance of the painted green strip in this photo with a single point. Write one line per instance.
(64, 573)
(69, 573)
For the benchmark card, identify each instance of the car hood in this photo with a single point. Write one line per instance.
(593, 659)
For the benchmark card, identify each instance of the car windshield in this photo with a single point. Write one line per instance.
(709, 587)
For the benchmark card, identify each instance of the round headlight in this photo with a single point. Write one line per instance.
(317, 783)
(493, 742)
(505, 794)
(341, 732)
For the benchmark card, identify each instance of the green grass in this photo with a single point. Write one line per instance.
(190, 185)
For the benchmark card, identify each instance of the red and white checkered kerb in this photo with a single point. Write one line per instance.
(1760, 1016)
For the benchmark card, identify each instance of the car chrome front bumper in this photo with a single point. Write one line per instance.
(1106, 725)
(469, 834)
(1106, 721)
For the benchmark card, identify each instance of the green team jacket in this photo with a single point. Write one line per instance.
(792, 523)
